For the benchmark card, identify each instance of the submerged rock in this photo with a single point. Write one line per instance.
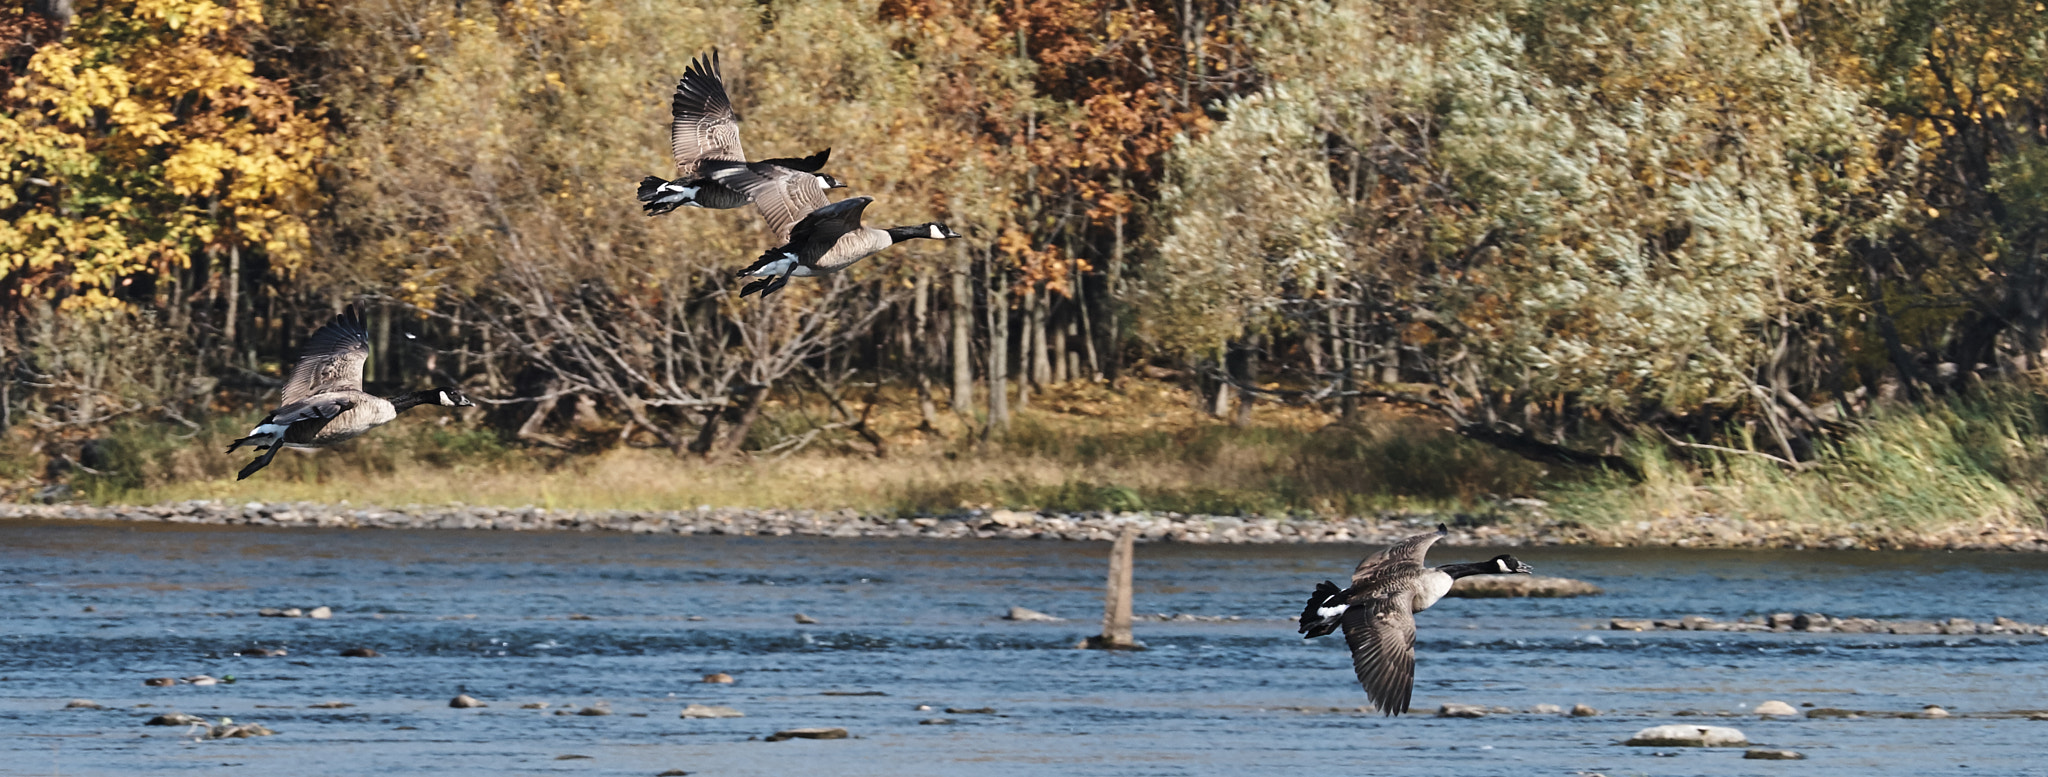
(805, 619)
(711, 711)
(1688, 736)
(595, 711)
(1765, 754)
(718, 678)
(83, 704)
(937, 722)
(329, 705)
(231, 730)
(1775, 707)
(361, 652)
(1583, 711)
(1832, 712)
(1461, 711)
(807, 733)
(174, 719)
(1025, 614)
(534, 705)
(465, 701)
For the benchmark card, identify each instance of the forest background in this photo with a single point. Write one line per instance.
(1762, 258)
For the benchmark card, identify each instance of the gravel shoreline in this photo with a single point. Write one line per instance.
(1524, 523)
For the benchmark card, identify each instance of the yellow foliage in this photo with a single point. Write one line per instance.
(143, 137)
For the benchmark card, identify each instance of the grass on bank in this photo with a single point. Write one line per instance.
(1085, 447)
(1958, 461)
(1077, 447)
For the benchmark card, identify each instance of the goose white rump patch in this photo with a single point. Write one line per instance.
(1332, 611)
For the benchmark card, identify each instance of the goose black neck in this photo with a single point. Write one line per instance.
(1474, 568)
(900, 234)
(412, 399)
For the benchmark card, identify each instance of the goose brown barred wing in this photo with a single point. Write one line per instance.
(1381, 634)
(1400, 560)
(332, 359)
(782, 195)
(704, 125)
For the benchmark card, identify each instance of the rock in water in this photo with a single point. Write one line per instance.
(160, 682)
(807, 733)
(594, 711)
(673, 773)
(1688, 736)
(1461, 711)
(802, 618)
(718, 677)
(361, 652)
(321, 612)
(534, 705)
(1583, 711)
(174, 719)
(711, 711)
(1547, 709)
(970, 710)
(936, 722)
(231, 730)
(83, 704)
(1775, 707)
(1932, 711)
(1763, 754)
(465, 701)
(1505, 586)
(1025, 614)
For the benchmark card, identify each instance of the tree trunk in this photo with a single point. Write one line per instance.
(963, 332)
(920, 364)
(234, 290)
(998, 347)
(1056, 329)
(1025, 375)
(1116, 598)
(1087, 328)
(1041, 366)
(377, 366)
(1112, 363)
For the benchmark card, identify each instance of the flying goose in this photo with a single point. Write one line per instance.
(1377, 612)
(706, 131)
(324, 402)
(828, 240)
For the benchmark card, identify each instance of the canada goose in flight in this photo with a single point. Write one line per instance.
(705, 131)
(828, 240)
(324, 402)
(1377, 612)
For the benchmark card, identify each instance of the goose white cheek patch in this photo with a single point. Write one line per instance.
(1503, 564)
(936, 234)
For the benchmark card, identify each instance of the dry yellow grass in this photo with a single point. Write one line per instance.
(1078, 446)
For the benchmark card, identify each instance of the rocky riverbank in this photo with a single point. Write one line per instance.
(1816, 622)
(1521, 523)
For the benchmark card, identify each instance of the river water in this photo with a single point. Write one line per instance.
(90, 610)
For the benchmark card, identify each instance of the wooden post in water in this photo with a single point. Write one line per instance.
(1116, 599)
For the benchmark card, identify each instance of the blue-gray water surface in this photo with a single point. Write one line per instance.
(91, 610)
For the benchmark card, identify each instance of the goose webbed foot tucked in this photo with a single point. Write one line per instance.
(260, 462)
(765, 286)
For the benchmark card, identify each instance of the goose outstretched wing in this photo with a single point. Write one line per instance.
(332, 359)
(1400, 560)
(705, 126)
(820, 230)
(1381, 633)
(783, 195)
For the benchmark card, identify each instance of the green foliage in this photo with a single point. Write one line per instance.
(1970, 461)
